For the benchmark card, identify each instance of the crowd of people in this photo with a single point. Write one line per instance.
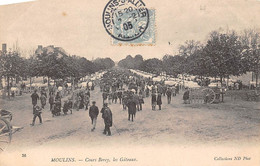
(131, 89)
(80, 99)
(118, 86)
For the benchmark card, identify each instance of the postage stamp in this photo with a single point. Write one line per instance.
(148, 38)
(126, 21)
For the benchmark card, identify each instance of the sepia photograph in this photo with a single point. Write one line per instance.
(130, 83)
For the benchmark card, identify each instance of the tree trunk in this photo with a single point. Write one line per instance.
(12, 81)
(4, 87)
(17, 79)
(256, 79)
(30, 84)
(183, 82)
(48, 81)
(8, 86)
(257, 72)
(222, 93)
(73, 87)
(227, 81)
(63, 88)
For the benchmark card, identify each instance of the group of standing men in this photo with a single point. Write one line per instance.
(81, 101)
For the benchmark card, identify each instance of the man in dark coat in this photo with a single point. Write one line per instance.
(159, 100)
(51, 101)
(114, 97)
(169, 95)
(119, 94)
(107, 116)
(164, 89)
(124, 99)
(147, 91)
(93, 114)
(104, 95)
(35, 97)
(65, 107)
(36, 113)
(131, 104)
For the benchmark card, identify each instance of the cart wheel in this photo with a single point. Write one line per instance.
(5, 134)
(209, 95)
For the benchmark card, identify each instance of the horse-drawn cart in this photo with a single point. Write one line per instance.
(5, 129)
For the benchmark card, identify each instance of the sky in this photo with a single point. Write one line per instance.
(77, 25)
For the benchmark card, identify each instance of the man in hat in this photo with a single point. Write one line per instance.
(119, 94)
(51, 101)
(107, 116)
(93, 114)
(35, 97)
(131, 104)
(159, 100)
(169, 95)
(36, 113)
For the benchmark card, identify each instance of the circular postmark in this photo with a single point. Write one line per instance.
(125, 20)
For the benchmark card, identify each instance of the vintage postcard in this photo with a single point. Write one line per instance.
(130, 83)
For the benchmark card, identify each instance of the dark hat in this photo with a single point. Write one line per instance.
(93, 102)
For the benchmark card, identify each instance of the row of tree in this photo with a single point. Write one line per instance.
(51, 62)
(222, 55)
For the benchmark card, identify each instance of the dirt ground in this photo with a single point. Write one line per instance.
(232, 123)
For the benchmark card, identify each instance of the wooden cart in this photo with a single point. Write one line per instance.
(5, 129)
(203, 95)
